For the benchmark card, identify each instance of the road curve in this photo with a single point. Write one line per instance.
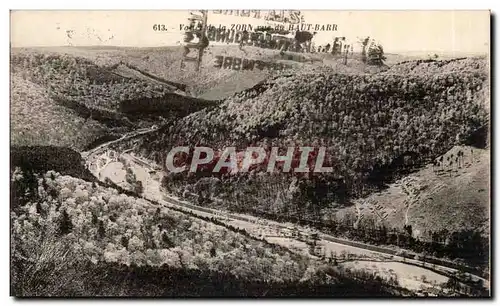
(249, 222)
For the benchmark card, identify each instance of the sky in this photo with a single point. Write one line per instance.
(397, 31)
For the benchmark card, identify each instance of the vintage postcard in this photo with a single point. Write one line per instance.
(250, 153)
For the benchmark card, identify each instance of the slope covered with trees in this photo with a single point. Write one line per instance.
(53, 87)
(72, 237)
(37, 119)
(365, 121)
(375, 129)
(75, 78)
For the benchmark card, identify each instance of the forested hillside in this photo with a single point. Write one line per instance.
(370, 124)
(66, 232)
(90, 101)
(376, 128)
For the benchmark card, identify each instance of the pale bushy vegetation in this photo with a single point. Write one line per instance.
(72, 237)
(102, 225)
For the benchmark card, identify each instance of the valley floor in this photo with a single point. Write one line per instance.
(412, 274)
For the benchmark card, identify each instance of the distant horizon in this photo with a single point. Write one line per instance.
(398, 31)
(401, 52)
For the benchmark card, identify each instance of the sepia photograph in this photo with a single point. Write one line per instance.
(250, 153)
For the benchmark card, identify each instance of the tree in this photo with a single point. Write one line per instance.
(138, 188)
(136, 185)
(130, 177)
(124, 241)
(167, 242)
(372, 52)
(364, 43)
(95, 218)
(101, 231)
(376, 54)
(65, 225)
(453, 284)
(304, 37)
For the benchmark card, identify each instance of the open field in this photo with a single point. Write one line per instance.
(411, 277)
